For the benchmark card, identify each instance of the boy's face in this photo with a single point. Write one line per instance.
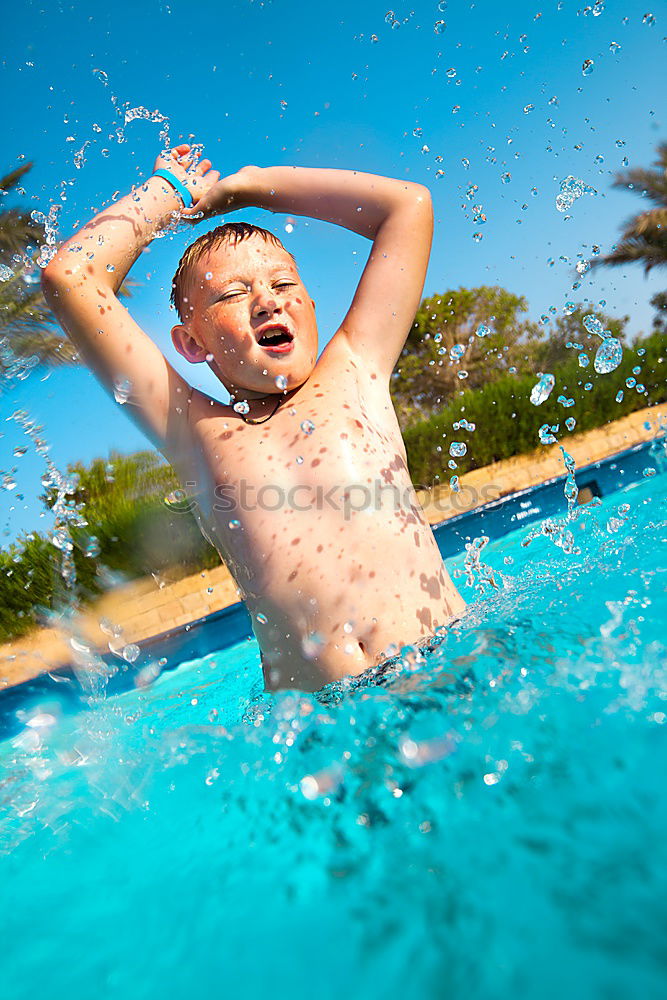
(250, 318)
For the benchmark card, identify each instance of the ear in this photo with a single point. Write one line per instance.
(187, 346)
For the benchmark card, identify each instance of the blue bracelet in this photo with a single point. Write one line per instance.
(177, 185)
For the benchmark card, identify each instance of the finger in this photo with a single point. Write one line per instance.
(199, 206)
(182, 154)
(203, 166)
(182, 148)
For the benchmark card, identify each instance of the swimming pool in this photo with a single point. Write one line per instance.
(489, 822)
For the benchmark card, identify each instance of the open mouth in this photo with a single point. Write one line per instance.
(276, 338)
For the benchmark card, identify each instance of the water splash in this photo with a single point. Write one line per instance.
(608, 356)
(571, 188)
(542, 389)
(66, 511)
(48, 250)
(478, 574)
(546, 433)
(122, 388)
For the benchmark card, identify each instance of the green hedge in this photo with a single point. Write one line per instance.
(507, 423)
(31, 584)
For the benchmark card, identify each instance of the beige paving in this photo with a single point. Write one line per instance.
(145, 607)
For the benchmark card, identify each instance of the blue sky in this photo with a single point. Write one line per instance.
(333, 86)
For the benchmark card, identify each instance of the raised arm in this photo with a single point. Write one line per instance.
(396, 215)
(81, 285)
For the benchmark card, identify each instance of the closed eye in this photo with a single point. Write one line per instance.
(285, 284)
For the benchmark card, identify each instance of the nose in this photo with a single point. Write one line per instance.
(264, 304)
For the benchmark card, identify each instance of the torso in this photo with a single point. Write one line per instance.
(332, 585)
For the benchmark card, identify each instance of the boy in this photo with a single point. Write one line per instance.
(302, 481)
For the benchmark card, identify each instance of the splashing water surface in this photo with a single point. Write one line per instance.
(487, 818)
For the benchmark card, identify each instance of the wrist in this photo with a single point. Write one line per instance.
(163, 200)
(249, 186)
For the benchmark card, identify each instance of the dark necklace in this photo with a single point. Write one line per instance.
(248, 420)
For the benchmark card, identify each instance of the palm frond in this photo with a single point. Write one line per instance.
(636, 250)
(11, 179)
(652, 225)
(17, 231)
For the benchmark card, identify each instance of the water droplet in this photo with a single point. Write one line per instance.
(528, 108)
(92, 547)
(281, 382)
(571, 188)
(482, 330)
(299, 459)
(455, 484)
(614, 47)
(234, 524)
(311, 645)
(609, 355)
(417, 132)
(542, 389)
(546, 433)
(583, 360)
(619, 396)
(439, 27)
(262, 619)
(122, 388)
(458, 449)
(307, 426)
(176, 499)
(208, 275)
(593, 325)
(457, 352)
(130, 652)
(6, 273)
(110, 267)
(587, 67)
(506, 178)
(570, 423)
(19, 451)
(477, 237)
(241, 407)
(649, 20)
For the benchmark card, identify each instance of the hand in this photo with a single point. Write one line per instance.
(196, 175)
(224, 194)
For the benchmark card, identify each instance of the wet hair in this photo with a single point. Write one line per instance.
(230, 232)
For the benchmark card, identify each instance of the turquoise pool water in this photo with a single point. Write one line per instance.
(487, 823)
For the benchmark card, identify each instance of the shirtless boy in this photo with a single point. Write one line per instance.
(302, 482)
